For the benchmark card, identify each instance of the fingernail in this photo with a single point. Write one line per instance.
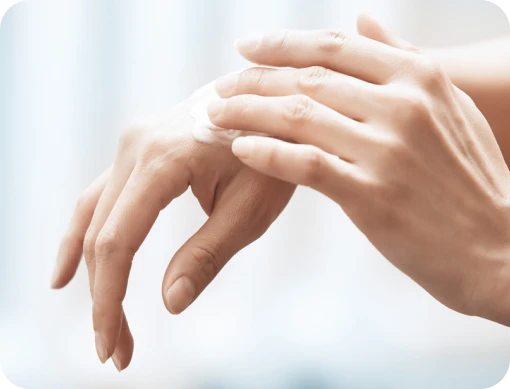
(248, 44)
(102, 353)
(225, 85)
(215, 108)
(180, 295)
(116, 362)
(243, 147)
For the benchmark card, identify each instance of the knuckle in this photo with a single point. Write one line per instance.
(83, 203)
(154, 145)
(432, 77)
(313, 78)
(106, 244)
(409, 107)
(299, 109)
(313, 167)
(271, 157)
(397, 153)
(206, 258)
(165, 164)
(398, 150)
(130, 136)
(253, 78)
(156, 150)
(237, 105)
(333, 41)
(464, 97)
(416, 103)
(277, 40)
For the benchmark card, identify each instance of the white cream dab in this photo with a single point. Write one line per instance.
(202, 129)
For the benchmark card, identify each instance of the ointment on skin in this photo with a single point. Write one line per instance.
(202, 130)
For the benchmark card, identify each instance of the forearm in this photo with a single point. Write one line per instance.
(482, 70)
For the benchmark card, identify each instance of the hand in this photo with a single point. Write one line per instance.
(381, 130)
(154, 165)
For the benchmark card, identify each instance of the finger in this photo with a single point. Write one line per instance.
(118, 177)
(124, 351)
(370, 27)
(356, 56)
(239, 217)
(147, 192)
(297, 118)
(71, 247)
(300, 165)
(345, 94)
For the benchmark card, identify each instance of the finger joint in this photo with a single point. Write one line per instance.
(333, 41)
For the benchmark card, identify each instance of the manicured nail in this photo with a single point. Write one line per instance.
(102, 353)
(215, 108)
(248, 44)
(225, 85)
(243, 147)
(116, 362)
(180, 295)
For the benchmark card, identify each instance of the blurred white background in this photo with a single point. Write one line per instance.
(310, 305)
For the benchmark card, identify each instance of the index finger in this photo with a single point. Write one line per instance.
(146, 193)
(353, 55)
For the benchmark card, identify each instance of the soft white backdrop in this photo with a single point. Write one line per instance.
(310, 305)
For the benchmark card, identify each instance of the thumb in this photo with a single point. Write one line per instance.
(246, 208)
(370, 27)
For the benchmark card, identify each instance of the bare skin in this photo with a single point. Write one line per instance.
(154, 165)
(405, 153)
(381, 129)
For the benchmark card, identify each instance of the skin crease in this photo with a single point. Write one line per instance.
(154, 165)
(412, 184)
(382, 130)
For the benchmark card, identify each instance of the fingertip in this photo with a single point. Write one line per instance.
(116, 362)
(59, 278)
(242, 147)
(62, 276)
(247, 45)
(102, 351)
(68, 260)
(215, 109)
(55, 282)
(121, 361)
(123, 353)
(225, 85)
(367, 24)
(180, 295)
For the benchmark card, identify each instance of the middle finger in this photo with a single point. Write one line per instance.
(347, 95)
